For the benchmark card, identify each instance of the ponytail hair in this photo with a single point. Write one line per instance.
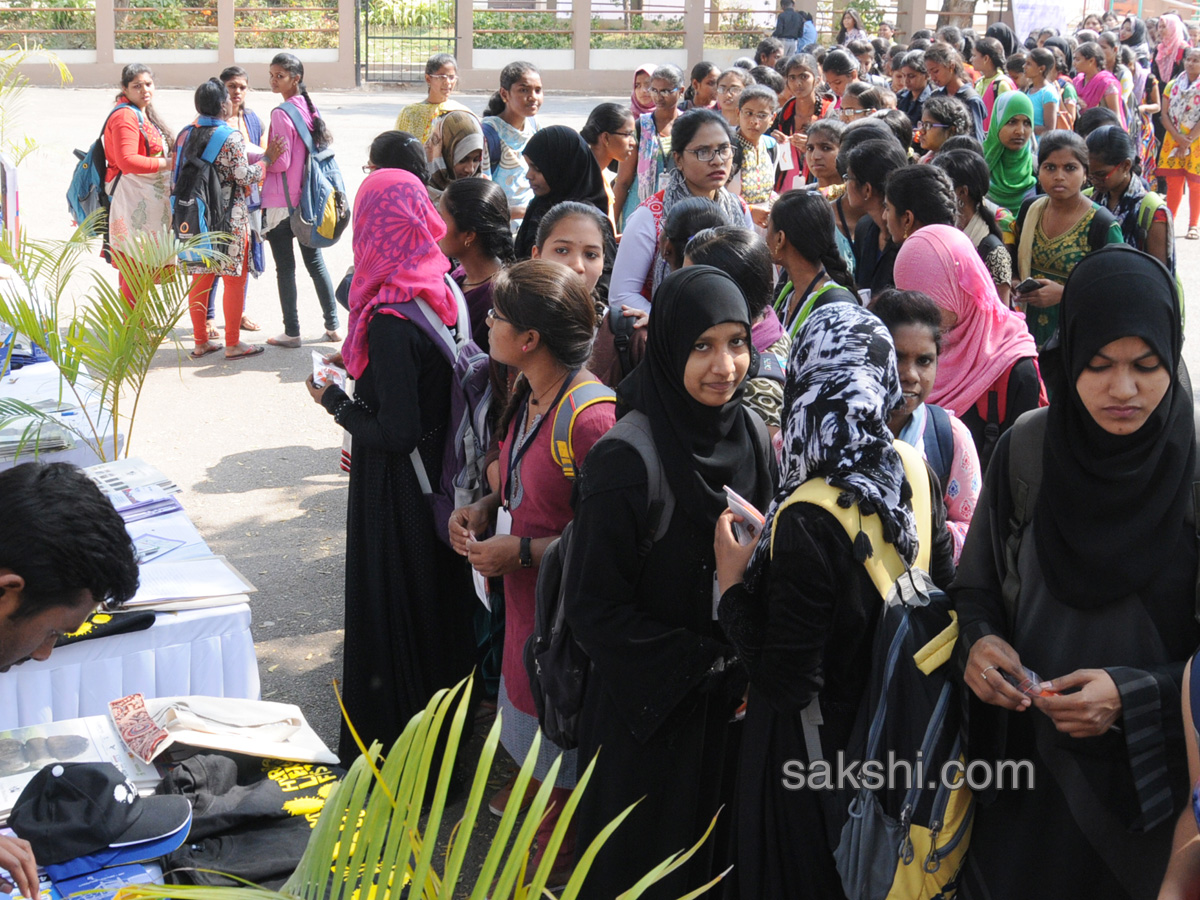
(130, 72)
(700, 71)
(509, 75)
(806, 220)
(321, 135)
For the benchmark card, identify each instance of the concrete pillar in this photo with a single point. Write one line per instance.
(910, 17)
(106, 26)
(581, 26)
(226, 34)
(693, 31)
(464, 27)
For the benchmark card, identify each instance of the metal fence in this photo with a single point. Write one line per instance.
(397, 37)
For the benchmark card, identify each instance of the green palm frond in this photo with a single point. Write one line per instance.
(98, 334)
(369, 843)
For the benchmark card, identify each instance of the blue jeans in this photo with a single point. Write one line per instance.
(280, 238)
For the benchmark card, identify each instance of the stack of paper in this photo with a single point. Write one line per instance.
(135, 504)
(122, 474)
(186, 583)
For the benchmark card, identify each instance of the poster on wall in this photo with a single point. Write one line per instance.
(1030, 15)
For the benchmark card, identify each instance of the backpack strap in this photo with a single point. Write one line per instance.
(1027, 223)
(884, 565)
(216, 141)
(771, 366)
(1102, 221)
(943, 442)
(301, 126)
(562, 436)
(1024, 480)
(633, 428)
(621, 327)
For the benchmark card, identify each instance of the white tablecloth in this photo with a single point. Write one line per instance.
(201, 651)
(41, 381)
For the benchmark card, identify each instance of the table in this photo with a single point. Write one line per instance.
(42, 382)
(198, 651)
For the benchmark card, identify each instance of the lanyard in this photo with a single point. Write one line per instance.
(802, 302)
(515, 455)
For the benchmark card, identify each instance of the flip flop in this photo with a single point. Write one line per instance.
(204, 349)
(248, 325)
(254, 350)
(1193, 234)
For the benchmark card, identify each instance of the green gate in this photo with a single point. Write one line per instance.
(398, 36)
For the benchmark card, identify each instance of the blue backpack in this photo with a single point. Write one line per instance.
(86, 193)
(324, 210)
(200, 206)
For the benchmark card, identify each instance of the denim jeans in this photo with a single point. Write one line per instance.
(280, 238)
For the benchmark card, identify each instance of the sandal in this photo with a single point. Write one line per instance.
(213, 334)
(251, 350)
(333, 337)
(1193, 234)
(284, 340)
(204, 349)
(249, 325)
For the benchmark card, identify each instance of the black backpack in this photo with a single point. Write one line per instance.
(200, 204)
(558, 667)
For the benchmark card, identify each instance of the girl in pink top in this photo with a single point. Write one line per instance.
(287, 80)
(1095, 84)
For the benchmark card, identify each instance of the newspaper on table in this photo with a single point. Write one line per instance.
(252, 727)
(25, 751)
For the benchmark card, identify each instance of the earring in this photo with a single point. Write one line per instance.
(525, 349)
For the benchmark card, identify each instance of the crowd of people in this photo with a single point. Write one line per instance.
(772, 273)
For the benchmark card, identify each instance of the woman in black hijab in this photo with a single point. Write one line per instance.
(1006, 36)
(664, 681)
(561, 167)
(1100, 600)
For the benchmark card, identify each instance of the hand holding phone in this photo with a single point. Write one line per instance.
(751, 526)
(1028, 286)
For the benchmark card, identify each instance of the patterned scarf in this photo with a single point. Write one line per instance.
(842, 384)
(733, 208)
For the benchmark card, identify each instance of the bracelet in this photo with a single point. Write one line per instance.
(525, 554)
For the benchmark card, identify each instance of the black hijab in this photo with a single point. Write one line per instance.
(702, 448)
(571, 172)
(1111, 507)
(1006, 36)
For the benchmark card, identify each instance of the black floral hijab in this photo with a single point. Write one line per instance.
(842, 384)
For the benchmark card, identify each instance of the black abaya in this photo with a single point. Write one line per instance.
(409, 599)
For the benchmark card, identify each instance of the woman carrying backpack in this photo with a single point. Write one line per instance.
(1115, 173)
(135, 144)
(801, 589)
(409, 603)
(1086, 585)
(236, 174)
(541, 325)
(664, 681)
(287, 80)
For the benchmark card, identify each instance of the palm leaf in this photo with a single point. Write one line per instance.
(368, 841)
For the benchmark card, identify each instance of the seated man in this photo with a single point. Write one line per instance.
(64, 550)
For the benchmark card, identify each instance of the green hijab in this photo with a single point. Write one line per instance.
(1013, 172)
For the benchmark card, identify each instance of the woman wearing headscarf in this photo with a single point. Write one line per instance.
(1008, 149)
(1133, 36)
(561, 167)
(1006, 36)
(408, 596)
(456, 149)
(800, 607)
(664, 681)
(1096, 593)
(987, 370)
(641, 101)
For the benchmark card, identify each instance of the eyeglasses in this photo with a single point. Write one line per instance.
(493, 316)
(449, 79)
(731, 89)
(847, 178)
(848, 113)
(369, 168)
(655, 92)
(925, 126)
(624, 134)
(757, 116)
(708, 154)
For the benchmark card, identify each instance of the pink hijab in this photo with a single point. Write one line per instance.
(396, 257)
(988, 338)
(639, 109)
(1171, 39)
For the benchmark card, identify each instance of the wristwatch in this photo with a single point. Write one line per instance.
(525, 554)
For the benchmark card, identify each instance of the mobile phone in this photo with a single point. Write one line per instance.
(1028, 683)
(1028, 285)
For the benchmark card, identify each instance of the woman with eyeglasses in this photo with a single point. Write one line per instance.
(441, 74)
(609, 131)
(729, 88)
(704, 160)
(640, 175)
(755, 180)
(860, 99)
(942, 118)
(790, 128)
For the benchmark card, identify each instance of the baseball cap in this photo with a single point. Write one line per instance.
(71, 811)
